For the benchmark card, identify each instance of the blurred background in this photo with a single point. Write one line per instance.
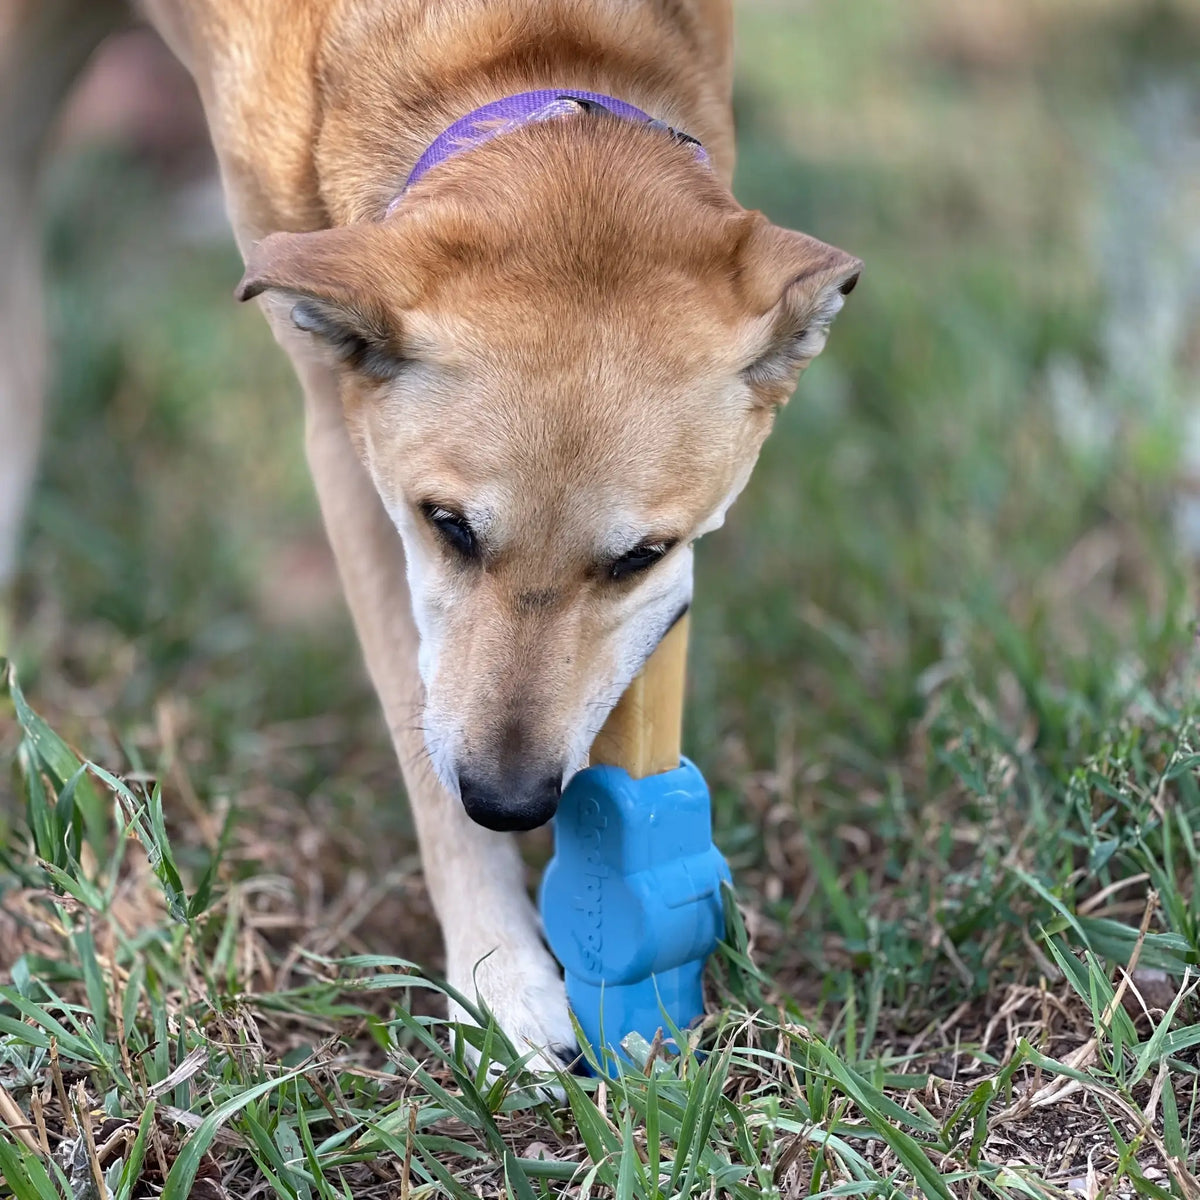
(964, 568)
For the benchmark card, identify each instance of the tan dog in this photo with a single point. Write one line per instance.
(530, 385)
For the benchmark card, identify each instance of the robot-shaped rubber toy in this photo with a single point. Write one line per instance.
(631, 902)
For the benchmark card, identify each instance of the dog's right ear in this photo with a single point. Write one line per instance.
(795, 286)
(343, 287)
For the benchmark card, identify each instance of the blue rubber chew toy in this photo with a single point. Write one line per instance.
(631, 901)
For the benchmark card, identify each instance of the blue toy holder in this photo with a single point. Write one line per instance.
(631, 902)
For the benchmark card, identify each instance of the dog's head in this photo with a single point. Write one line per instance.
(559, 360)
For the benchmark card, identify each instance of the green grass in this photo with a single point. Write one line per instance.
(943, 686)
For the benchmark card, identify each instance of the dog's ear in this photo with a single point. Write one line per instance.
(795, 286)
(345, 286)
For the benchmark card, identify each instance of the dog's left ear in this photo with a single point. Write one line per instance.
(795, 286)
(346, 287)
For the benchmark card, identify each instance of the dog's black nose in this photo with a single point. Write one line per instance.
(510, 806)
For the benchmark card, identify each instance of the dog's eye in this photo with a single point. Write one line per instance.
(638, 559)
(454, 528)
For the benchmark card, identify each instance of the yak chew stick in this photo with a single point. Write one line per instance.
(644, 732)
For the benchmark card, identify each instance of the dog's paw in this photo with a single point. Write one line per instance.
(522, 987)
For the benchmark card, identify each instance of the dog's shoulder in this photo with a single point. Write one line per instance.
(255, 67)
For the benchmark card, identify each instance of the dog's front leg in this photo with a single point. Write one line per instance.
(494, 948)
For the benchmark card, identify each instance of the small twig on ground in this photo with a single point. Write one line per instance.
(84, 1116)
(60, 1089)
(37, 1101)
(406, 1170)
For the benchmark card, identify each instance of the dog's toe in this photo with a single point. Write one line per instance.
(524, 991)
(570, 1057)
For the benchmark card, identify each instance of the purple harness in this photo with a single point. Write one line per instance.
(527, 108)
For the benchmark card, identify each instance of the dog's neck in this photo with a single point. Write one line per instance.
(378, 115)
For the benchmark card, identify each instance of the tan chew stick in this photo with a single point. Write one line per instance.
(644, 732)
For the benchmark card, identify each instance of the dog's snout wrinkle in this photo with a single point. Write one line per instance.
(537, 600)
(513, 804)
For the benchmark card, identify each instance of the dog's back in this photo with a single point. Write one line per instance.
(304, 91)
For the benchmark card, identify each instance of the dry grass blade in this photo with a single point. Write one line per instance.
(195, 1061)
(14, 1120)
